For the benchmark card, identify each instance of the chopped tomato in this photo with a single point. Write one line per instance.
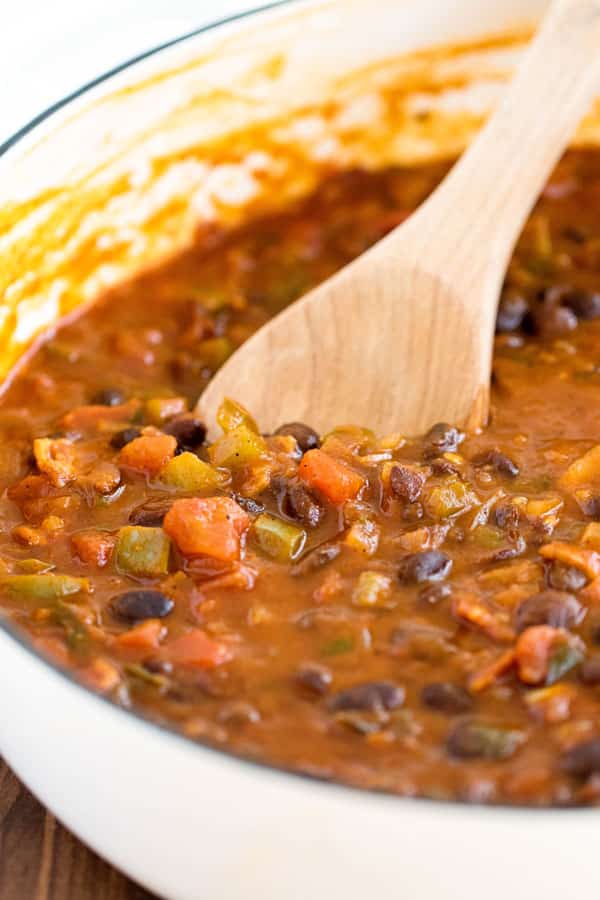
(490, 673)
(145, 636)
(197, 650)
(93, 548)
(544, 654)
(91, 419)
(148, 453)
(333, 478)
(207, 526)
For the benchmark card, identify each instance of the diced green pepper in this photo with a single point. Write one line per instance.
(449, 498)
(564, 657)
(187, 472)
(372, 590)
(43, 587)
(338, 646)
(159, 409)
(214, 352)
(475, 740)
(489, 536)
(239, 447)
(76, 633)
(146, 676)
(34, 566)
(278, 539)
(231, 415)
(142, 551)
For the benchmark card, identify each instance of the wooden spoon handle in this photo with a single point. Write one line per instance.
(487, 197)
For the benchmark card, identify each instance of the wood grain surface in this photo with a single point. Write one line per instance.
(41, 860)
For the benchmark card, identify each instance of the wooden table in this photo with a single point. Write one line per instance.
(41, 860)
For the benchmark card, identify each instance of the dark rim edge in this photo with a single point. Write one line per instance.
(19, 636)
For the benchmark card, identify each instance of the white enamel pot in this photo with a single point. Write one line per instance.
(167, 133)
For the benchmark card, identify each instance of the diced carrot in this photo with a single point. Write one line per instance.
(533, 650)
(32, 487)
(494, 670)
(572, 555)
(93, 548)
(142, 637)
(197, 651)
(472, 609)
(148, 453)
(207, 526)
(56, 459)
(30, 537)
(544, 654)
(333, 478)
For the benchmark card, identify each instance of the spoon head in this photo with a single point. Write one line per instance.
(385, 345)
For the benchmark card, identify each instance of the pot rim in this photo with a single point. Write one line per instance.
(138, 718)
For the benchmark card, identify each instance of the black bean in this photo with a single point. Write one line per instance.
(318, 557)
(585, 304)
(511, 311)
(565, 578)
(188, 431)
(446, 697)
(314, 678)
(572, 233)
(507, 516)
(444, 467)
(406, 483)
(498, 461)
(158, 666)
(109, 397)
(590, 506)
(442, 438)
(549, 318)
(121, 438)
(590, 670)
(556, 608)
(434, 593)
(474, 740)
(583, 759)
(134, 606)
(429, 565)
(373, 696)
(306, 437)
(296, 502)
(151, 513)
(252, 506)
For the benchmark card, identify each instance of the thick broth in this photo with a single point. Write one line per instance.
(415, 615)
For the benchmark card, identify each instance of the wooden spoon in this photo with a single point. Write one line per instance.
(402, 337)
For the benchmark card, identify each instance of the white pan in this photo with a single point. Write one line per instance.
(321, 84)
